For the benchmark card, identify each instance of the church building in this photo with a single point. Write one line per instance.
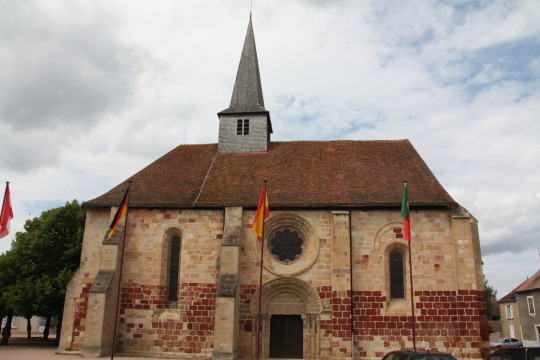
(335, 277)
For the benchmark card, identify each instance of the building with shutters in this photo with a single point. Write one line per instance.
(335, 271)
(519, 309)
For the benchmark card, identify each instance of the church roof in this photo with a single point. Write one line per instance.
(247, 94)
(299, 174)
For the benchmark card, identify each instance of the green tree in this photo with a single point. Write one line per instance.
(491, 295)
(7, 281)
(45, 256)
(20, 293)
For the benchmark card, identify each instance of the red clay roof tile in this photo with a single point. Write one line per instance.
(299, 174)
(532, 283)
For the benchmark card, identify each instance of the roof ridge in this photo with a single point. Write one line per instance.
(342, 140)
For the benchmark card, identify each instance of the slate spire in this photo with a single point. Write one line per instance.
(247, 94)
(245, 126)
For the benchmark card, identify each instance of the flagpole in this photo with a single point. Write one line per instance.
(412, 301)
(411, 276)
(120, 273)
(260, 276)
(4, 200)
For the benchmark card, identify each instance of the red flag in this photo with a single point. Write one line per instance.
(120, 213)
(261, 210)
(405, 214)
(7, 214)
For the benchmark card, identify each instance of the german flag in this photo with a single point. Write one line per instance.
(120, 213)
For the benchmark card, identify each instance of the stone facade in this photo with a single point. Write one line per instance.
(341, 279)
(333, 253)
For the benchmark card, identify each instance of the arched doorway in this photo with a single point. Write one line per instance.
(290, 319)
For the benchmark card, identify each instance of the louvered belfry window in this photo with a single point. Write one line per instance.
(397, 286)
(173, 268)
(242, 127)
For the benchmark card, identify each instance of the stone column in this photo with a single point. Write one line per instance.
(98, 337)
(469, 276)
(468, 260)
(265, 335)
(227, 298)
(341, 285)
(309, 335)
(318, 336)
(254, 330)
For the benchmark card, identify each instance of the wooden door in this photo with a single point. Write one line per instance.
(286, 337)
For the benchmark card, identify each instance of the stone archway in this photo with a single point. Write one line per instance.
(288, 296)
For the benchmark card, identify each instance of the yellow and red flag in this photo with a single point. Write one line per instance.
(120, 213)
(262, 213)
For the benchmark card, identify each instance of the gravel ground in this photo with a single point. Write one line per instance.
(24, 349)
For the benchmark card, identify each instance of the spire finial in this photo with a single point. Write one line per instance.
(250, 10)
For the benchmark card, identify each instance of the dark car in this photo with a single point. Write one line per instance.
(528, 353)
(417, 355)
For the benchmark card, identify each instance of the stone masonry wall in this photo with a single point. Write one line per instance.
(76, 303)
(148, 324)
(449, 313)
(319, 274)
(450, 309)
(445, 320)
(449, 302)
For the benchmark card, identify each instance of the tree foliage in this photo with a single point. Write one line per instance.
(491, 295)
(41, 261)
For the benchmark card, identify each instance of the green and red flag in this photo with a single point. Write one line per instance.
(262, 213)
(405, 214)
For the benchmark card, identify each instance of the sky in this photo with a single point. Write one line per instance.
(93, 91)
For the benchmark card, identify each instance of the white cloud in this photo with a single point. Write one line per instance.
(506, 270)
(92, 92)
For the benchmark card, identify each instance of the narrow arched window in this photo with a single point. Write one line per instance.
(173, 268)
(397, 282)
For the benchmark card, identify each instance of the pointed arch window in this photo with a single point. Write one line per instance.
(174, 267)
(397, 275)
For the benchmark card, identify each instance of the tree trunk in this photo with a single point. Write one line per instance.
(6, 331)
(28, 327)
(58, 330)
(46, 330)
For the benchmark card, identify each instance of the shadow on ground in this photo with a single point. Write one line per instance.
(34, 342)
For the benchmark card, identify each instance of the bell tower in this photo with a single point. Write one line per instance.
(245, 126)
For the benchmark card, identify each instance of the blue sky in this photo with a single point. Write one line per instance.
(92, 92)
